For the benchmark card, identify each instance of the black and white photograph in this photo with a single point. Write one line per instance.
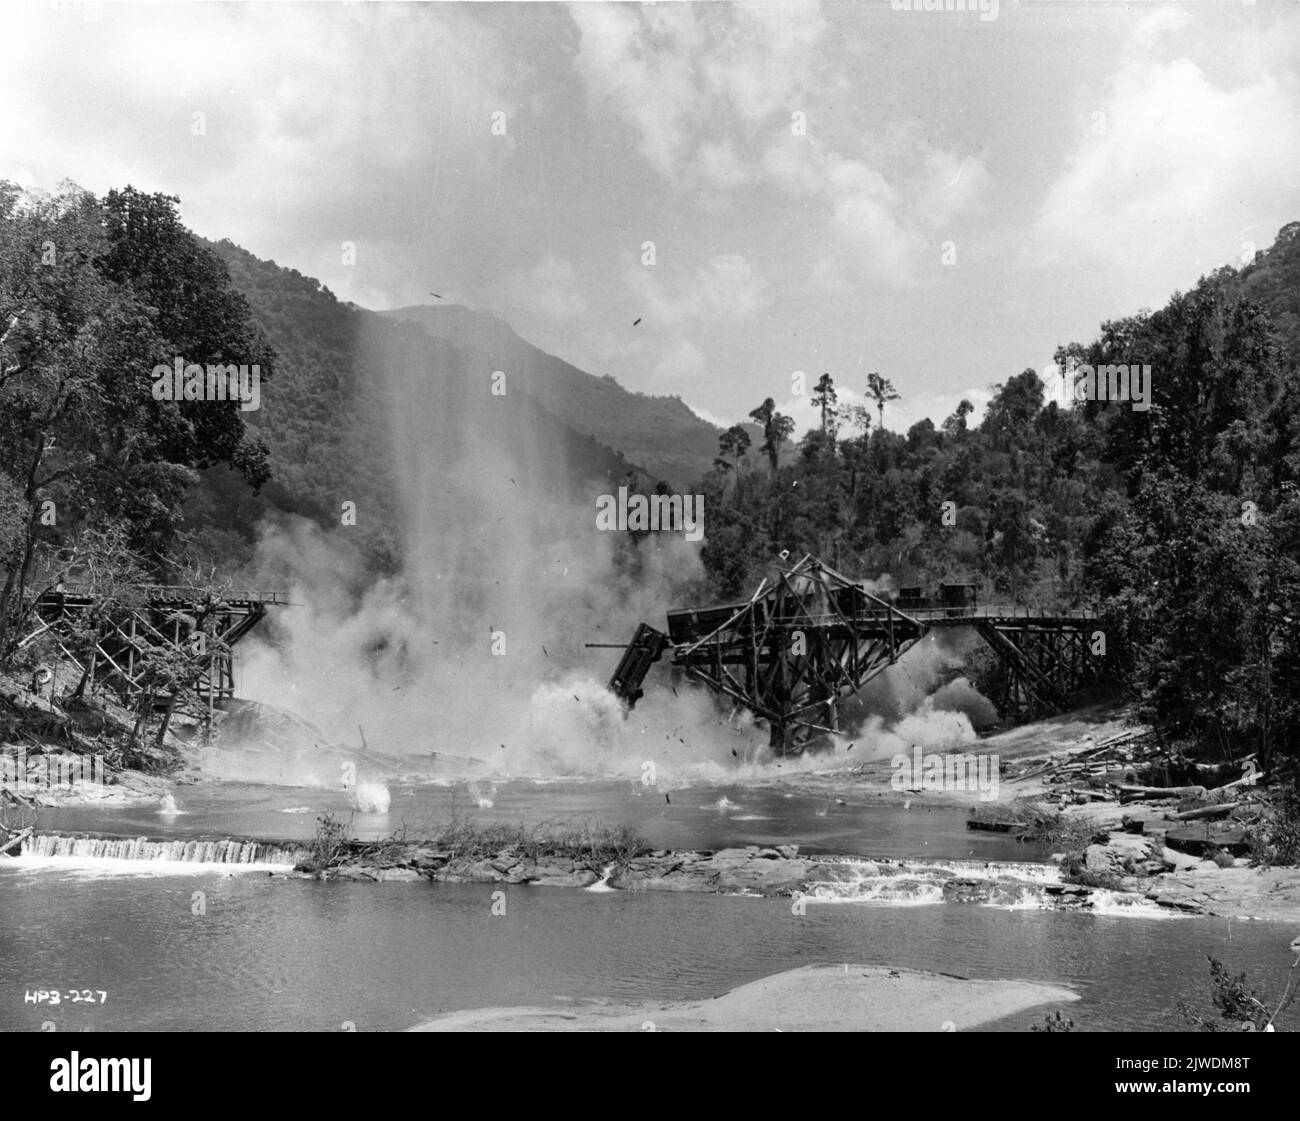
(757, 516)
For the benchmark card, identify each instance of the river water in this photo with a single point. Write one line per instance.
(256, 951)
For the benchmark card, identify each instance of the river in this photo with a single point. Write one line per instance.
(256, 951)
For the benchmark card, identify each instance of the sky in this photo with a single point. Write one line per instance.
(771, 188)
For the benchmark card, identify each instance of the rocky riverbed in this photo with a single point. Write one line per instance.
(1138, 874)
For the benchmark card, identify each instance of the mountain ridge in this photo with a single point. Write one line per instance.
(662, 434)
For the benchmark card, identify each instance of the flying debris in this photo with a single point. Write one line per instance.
(636, 321)
(667, 799)
(435, 295)
(544, 651)
(798, 690)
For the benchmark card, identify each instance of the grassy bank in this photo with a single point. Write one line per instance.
(462, 840)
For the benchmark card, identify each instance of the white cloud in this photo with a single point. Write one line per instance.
(693, 80)
(711, 418)
(550, 289)
(639, 61)
(724, 286)
(297, 121)
(1174, 161)
(680, 364)
(879, 226)
(721, 167)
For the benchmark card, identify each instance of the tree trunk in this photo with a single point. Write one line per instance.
(167, 718)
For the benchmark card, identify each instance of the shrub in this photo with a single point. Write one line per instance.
(1054, 1023)
(1275, 837)
(328, 848)
(1238, 1006)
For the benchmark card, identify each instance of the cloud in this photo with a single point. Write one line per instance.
(879, 226)
(1177, 158)
(720, 165)
(272, 123)
(640, 63)
(726, 285)
(691, 80)
(682, 363)
(550, 289)
(711, 418)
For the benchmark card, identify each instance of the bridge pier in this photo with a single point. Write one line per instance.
(117, 643)
(809, 638)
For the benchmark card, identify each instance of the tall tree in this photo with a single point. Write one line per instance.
(824, 398)
(776, 430)
(94, 296)
(733, 443)
(882, 391)
(955, 425)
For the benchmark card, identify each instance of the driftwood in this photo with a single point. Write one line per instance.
(16, 797)
(1122, 737)
(1137, 793)
(1220, 810)
(14, 841)
(1245, 780)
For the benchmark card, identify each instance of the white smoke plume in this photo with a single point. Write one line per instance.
(475, 648)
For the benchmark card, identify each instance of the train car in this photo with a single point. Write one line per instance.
(957, 600)
(911, 598)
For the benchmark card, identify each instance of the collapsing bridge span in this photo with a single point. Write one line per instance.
(809, 638)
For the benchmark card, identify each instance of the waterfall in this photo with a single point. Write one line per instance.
(226, 851)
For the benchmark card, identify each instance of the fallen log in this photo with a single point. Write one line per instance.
(1123, 737)
(16, 797)
(1221, 810)
(1245, 780)
(1142, 792)
(992, 826)
(1032, 774)
(16, 840)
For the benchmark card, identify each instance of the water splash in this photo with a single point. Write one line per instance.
(484, 795)
(370, 797)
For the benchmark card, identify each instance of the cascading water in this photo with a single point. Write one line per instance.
(224, 851)
(1011, 884)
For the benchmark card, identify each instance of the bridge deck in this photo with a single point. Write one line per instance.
(173, 594)
(927, 616)
(1011, 613)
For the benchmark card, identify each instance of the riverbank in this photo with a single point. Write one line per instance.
(814, 998)
(1014, 752)
(781, 871)
(1191, 887)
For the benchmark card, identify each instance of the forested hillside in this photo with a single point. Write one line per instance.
(659, 433)
(1182, 519)
(327, 418)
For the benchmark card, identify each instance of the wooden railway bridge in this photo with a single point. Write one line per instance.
(196, 628)
(810, 638)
